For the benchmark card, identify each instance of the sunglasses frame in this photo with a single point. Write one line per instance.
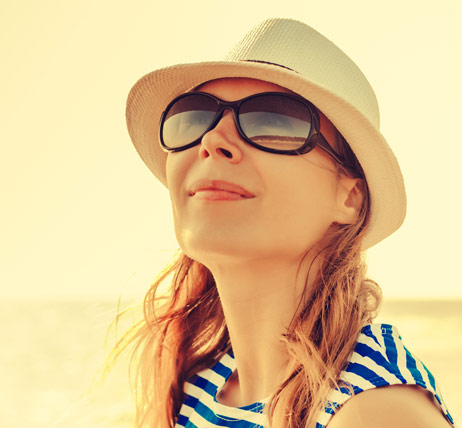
(315, 138)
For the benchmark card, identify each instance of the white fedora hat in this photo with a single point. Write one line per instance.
(293, 55)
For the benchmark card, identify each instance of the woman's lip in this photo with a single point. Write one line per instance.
(217, 195)
(219, 189)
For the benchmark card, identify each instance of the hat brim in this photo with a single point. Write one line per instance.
(151, 94)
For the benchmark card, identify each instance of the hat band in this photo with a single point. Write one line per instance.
(267, 62)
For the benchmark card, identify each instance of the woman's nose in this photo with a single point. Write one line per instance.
(223, 141)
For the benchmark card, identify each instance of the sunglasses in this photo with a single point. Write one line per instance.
(274, 122)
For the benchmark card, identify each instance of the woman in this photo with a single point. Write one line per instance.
(267, 319)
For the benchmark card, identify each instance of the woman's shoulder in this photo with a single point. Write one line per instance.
(380, 359)
(397, 406)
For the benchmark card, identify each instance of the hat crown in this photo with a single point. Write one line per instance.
(278, 41)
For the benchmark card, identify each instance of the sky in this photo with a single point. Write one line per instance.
(82, 216)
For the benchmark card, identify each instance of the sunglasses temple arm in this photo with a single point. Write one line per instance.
(323, 144)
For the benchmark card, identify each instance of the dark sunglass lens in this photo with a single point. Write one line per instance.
(276, 122)
(188, 119)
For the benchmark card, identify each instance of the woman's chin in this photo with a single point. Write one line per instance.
(216, 254)
(207, 252)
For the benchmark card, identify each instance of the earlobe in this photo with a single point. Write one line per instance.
(350, 193)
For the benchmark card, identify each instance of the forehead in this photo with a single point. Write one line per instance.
(230, 87)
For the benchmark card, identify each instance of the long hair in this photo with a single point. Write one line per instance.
(184, 330)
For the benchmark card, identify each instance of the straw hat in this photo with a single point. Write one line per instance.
(293, 55)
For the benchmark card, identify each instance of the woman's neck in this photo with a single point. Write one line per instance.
(259, 300)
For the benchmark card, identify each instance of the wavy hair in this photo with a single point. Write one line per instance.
(184, 330)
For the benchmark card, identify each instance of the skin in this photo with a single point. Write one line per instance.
(254, 246)
(399, 406)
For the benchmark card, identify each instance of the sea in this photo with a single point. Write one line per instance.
(53, 352)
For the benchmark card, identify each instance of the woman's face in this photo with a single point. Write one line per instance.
(286, 203)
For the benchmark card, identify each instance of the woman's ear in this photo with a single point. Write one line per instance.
(350, 194)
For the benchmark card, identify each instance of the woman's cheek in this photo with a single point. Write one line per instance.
(175, 178)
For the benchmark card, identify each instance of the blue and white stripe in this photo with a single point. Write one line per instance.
(201, 409)
(379, 359)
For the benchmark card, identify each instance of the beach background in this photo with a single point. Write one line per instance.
(53, 350)
(83, 222)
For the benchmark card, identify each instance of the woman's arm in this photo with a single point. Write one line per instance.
(398, 406)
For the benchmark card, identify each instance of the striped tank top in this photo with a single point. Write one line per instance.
(379, 359)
